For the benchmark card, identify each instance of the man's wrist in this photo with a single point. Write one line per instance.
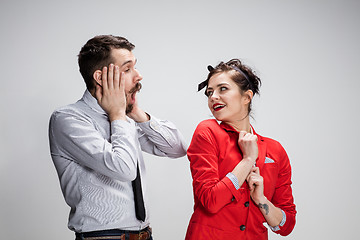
(140, 116)
(118, 116)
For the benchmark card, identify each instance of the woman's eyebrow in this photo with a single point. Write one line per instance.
(219, 85)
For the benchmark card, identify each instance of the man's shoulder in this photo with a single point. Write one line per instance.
(77, 110)
(68, 109)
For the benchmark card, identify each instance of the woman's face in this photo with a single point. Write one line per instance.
(225, 100)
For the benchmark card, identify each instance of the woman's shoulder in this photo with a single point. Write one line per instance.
(271, 143)
(208, 123)
(208, 128)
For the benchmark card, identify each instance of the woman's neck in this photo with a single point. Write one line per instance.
(241, 125)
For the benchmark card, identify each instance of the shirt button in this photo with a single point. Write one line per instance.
(242, 227)
(154, 126)
(246, 204)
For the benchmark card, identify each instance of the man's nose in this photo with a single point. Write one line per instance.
(138, 76)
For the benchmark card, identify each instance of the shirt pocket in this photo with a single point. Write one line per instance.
(269, 172)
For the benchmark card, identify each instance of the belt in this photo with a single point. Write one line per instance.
(117, 234)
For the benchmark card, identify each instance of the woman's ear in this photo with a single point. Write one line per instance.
(97, 77)
(249, 95)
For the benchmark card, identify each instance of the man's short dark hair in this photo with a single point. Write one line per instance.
(96, 54)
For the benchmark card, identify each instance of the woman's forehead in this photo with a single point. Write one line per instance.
(220, 78)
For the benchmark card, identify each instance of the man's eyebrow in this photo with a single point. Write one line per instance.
(129, 61)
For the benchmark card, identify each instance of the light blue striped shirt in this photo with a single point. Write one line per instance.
(96, 161)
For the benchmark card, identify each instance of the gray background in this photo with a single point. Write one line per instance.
(307, 54)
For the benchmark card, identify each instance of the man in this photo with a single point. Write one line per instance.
(96, 145)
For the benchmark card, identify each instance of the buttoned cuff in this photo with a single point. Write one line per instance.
(235, 193)
(157, 126)
(121, 127)
(234, 180)
(277, 228)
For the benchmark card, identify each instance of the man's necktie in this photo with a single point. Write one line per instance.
(138, 197)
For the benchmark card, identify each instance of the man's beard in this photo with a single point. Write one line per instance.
(130, 106)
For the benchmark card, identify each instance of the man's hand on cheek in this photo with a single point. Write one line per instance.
(136, 113)
(111, 96)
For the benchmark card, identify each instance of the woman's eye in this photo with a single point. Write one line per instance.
(223, 88)
(127, 70)
(209, 93)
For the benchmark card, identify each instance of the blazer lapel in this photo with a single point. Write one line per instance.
(262, 153)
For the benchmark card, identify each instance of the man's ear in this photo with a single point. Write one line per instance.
(97, 77)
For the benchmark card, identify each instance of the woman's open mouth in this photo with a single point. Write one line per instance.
(218, 106)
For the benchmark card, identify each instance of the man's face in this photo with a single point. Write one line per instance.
(126, 62)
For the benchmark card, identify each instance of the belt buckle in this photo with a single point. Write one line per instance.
(143, 235)
(140, 235)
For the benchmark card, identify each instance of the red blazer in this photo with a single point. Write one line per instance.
(221, 211)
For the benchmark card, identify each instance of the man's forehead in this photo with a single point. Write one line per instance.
(122, 56)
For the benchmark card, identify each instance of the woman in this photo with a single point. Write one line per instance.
(241, 180)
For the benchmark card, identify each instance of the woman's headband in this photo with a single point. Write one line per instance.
(210, 68)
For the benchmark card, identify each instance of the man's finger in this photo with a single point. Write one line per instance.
(111, 76)
(122, 82)
(116, 77)
(104, 79)
(98, 92)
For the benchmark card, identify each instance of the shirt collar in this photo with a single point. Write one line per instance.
(229, 128)
(92, 102)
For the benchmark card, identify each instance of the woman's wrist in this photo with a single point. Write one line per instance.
(249, 160)
(262, 203)
(261, 200)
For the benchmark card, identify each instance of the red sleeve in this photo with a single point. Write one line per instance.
(203, 153)
(283, 197)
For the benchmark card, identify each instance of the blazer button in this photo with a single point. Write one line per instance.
(233, 199)
(242, 227)
(246, 204)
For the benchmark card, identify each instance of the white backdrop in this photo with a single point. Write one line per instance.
(306, 52)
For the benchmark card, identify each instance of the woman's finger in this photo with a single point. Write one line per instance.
(242, 134)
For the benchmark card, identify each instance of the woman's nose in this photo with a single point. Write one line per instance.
(214, 95)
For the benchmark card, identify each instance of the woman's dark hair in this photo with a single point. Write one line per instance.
(241, 74)
(96, 54)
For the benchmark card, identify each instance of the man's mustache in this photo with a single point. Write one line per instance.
(136, 88)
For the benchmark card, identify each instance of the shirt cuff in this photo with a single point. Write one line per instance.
(234, 180)
(161, 127)
(277, 228)
(121, 126)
